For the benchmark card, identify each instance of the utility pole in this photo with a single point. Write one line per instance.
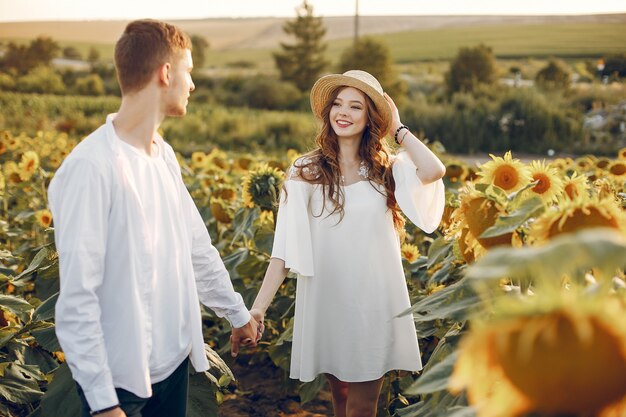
(356, 23)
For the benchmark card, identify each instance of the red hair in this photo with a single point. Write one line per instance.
(323, 162)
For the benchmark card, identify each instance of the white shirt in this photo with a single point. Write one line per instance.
(106, 313)
(171, 339)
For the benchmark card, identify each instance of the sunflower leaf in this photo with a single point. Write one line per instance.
(531, 207)
(600, 248)
(435, 378)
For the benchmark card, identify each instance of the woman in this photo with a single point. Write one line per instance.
(338, 229)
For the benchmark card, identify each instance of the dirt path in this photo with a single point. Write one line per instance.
(262, 393)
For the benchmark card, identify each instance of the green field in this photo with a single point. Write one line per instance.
(579, 40)
(570, 40)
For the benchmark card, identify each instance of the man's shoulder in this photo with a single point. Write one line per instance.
(94, 148)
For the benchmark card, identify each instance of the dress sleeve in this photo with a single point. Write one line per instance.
(292, 238)
(422, 204)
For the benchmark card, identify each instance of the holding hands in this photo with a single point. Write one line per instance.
(248, 335)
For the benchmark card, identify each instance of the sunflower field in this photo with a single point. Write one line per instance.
(519, 297)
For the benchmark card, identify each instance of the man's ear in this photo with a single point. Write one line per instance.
(164, 73)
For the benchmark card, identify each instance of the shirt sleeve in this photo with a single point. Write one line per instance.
(422, 204)
(80, 199)
(292, 237)
(215, 288)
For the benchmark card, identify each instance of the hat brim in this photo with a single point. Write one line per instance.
(322, 91)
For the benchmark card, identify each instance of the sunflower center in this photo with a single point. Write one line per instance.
(572, 191)
(506, 177)
(544, 183)
(618, 169)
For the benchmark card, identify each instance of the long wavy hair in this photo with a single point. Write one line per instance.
(323, 162)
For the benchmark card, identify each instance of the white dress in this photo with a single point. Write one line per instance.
(351, 284)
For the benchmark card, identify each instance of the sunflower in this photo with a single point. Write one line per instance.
(575, 186)
(225, 192)
(549, 184)
(618, 170)
(584, 163)
(456, 172)
(475, 214)
(198, 160)
(220, 210)
(28, 165)
(261, 187)
(218, 158)
(521, 364)
(602, 163)
(507, 173)
(44, 217)
(579, 214)
(563, 164)
(12, 172)
(621, 154)
(410, 252)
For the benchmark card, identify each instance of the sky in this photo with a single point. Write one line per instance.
(21, 10)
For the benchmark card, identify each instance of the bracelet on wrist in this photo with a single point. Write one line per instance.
(395, 135)
(104, 410)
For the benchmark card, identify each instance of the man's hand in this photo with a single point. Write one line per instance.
(116, 412)
(245, 336)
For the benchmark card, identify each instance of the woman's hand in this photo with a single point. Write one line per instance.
(395, 115)
(259, 316)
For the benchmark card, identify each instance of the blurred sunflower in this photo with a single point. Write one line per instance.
(584, 163)
(520, 363)
(476, 213)
(243, 163)
(225, 192)
(28, 165)
(292, 155)
(220, 210)
(198, 160)
(455, 172)
(618, 170)
(261, 187)
(573, 215)
(621, 154)
(603, 163)
(44, 217)
(218, 158)
(507, 173)
(562, 164)
(549, 185)
(575, 186)
(12, 172)
(410, 252)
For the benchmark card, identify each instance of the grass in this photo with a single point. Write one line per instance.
(569, 40)
(579, 40)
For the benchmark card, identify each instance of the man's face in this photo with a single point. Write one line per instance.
(181, 84)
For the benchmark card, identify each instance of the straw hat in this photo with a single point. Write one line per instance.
(324, 87)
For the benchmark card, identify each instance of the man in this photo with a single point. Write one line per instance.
(134, 254)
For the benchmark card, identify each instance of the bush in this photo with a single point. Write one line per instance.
(470, 68)
(554, 76)
(90, 85)
(271, 94)
(7, 82)
(41, 80)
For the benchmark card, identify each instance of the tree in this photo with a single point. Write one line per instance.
(368, 54)
(199, 46)
(71, 52)
(24, 58)
(302, 62)
(471, 66)
(554, 76)
(93, 56)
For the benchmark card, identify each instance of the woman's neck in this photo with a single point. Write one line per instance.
(349, 151)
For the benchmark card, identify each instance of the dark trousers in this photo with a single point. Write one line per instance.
(169, 397)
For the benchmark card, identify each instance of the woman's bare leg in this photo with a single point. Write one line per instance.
(339, 390)
(363, 398)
